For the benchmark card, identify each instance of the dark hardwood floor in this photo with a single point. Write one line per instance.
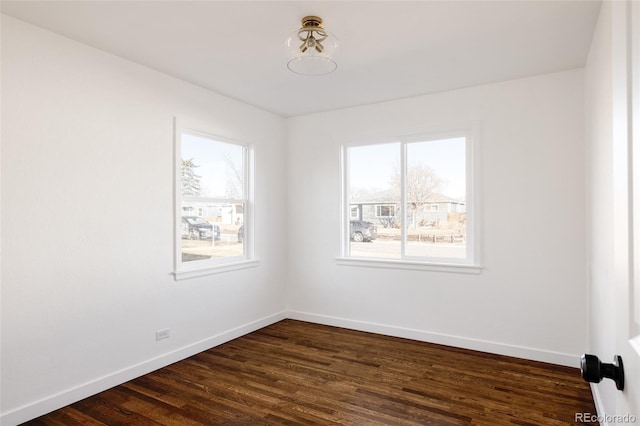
(298, 373)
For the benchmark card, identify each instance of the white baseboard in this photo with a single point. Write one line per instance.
(69, 396)
(597, 400)
(559, 358)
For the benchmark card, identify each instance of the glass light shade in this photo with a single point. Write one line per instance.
(315, 58)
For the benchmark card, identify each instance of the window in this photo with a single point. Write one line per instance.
(416, 200)
(212, 203)
(385, 211)
(355, 212)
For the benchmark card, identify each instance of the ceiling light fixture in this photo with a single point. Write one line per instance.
(311, 49)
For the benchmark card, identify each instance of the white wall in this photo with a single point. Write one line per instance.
(87, 234)
(530, 299)
(87, 223)
(599, 134)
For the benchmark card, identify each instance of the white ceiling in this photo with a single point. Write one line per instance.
(389, 49)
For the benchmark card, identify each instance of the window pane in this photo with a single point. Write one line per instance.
(436, 199)
(374, 195)
(210, 168)
(211, 230)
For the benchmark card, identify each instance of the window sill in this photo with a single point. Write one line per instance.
(409, 265)
(215, 269)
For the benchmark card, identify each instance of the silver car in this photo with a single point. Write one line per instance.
(361, 230)
(196, 228)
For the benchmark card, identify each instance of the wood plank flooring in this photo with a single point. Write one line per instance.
(298, 373)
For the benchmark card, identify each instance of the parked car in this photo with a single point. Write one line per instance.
(196, 228)
(361, 230)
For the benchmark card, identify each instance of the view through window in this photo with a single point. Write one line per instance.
(213, 199)
(408, 200)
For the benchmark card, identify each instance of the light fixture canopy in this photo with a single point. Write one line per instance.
(311, 49)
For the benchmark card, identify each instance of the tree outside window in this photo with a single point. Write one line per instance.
(415, 194)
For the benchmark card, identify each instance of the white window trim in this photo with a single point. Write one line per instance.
(409, 265)
(217, 269)
(182, 270)
(472, 263)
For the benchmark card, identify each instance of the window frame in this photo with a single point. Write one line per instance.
(379, 208)
(355, 210)
(471, 263)
(198, 268)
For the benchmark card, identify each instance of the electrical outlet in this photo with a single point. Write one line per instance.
(162, 334)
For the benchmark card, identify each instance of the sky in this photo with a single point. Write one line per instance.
(208, 154)
(372, 166)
